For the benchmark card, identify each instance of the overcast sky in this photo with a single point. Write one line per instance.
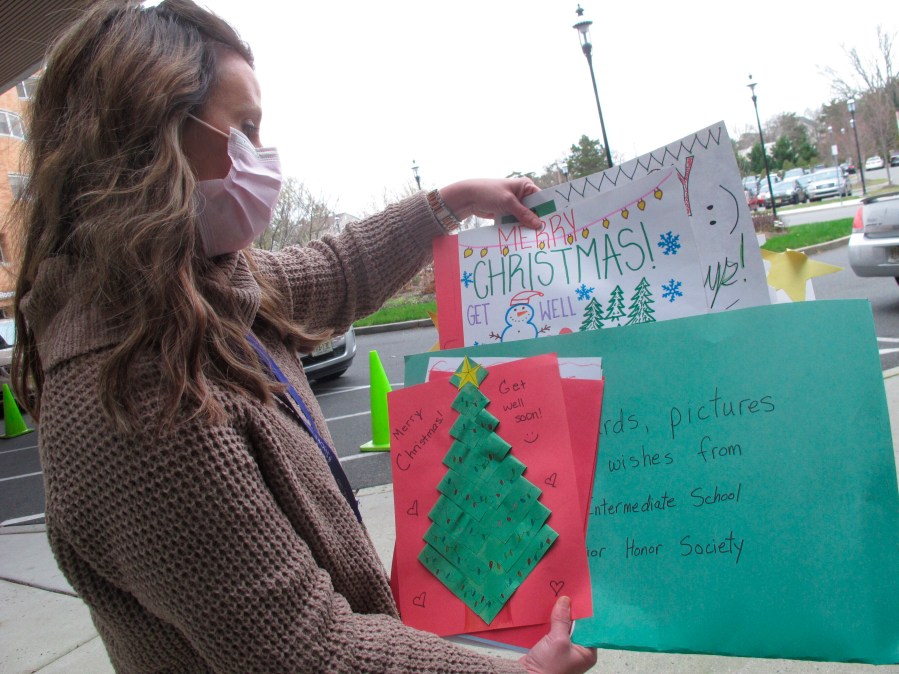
(355, 90)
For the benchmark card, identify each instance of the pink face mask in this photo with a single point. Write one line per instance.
(239, 206)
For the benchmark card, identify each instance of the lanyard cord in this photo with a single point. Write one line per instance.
(304, 416)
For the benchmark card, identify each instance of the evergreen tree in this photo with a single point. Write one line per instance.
(805, 152)
(782, 154)
(488, 528)
(592, 316)
(616, 305)
(757, 159)
(640, 311)
(586, 158)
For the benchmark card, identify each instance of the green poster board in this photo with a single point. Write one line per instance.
(745, 500)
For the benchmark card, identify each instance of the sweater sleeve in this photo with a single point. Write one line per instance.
(334, 281)
(183, 526)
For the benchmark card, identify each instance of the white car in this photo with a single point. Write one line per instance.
(7, 341)
(874, 242)
(874, 162)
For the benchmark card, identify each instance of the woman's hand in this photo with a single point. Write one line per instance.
(491, 198)
(554, 653)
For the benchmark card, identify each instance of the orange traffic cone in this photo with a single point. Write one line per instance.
(14, 425)
(380, 423)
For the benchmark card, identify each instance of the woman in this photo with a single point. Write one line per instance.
(193, 501)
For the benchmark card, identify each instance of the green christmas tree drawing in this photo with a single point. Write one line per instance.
(616, 305)
(488, 528)
(640, 311)
(592, 316)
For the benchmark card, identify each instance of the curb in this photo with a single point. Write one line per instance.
(391, 327)
(827, 245)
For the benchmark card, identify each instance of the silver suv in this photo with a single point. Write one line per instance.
(874, 243)
(828, 183)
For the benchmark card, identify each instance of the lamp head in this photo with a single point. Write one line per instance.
(751, 85)
(583, 27)
(851, 105)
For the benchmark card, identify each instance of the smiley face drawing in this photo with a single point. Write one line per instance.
(520, 317)
(531, 437)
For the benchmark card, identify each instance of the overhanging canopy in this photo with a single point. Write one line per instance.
(27, 27)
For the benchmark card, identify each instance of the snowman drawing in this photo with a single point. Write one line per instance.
(520, 317)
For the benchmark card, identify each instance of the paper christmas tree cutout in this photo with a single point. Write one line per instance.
(488, 528)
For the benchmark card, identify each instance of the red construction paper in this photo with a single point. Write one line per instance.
(527, 398)
(583, 401)
(446, 287)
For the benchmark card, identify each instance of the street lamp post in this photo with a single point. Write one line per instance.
(583, 30)
(858, 153)
(415, 173)
(758, 120)
(838, 175)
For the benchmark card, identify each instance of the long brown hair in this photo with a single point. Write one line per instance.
(111, 188)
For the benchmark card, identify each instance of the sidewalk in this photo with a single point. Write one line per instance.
(45, 628)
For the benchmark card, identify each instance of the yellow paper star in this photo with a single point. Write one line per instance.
(468, 374)
(791, 269)
(433, 317)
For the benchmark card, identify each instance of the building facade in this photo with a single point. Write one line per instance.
(13, 176)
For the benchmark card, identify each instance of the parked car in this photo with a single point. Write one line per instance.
(331, 358)
(751, 184)
(786, 192)
(874, 242)
(828, 183)
(894, 160)
(754, 201)
(794, 173)
(804, 182)
(874, 162)
(7, 342)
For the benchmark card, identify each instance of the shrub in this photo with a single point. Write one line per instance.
(764, 222)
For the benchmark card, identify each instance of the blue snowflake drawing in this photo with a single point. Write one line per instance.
(669, 243)
(584, 293)
(467, 279)
(672, 290)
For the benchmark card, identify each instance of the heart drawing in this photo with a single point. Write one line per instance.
(556, 586)
(414, 509)
(551, 480)
(420, 599)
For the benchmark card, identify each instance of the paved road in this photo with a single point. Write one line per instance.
(883, 293)
(346, 405)
(809, 214)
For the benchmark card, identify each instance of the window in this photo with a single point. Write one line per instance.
(17, 183)
(11, 124)
(25, 89)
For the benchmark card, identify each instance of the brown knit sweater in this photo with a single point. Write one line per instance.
(227, 548)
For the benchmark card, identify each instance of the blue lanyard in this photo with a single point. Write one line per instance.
(301, 412)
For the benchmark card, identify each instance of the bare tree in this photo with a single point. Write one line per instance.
(875, 87)
(298, 218)
(388, 197)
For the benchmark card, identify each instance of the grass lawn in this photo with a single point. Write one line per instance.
(808, 235)
(398, 309)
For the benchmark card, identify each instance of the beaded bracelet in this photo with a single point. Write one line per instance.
(442, 212)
